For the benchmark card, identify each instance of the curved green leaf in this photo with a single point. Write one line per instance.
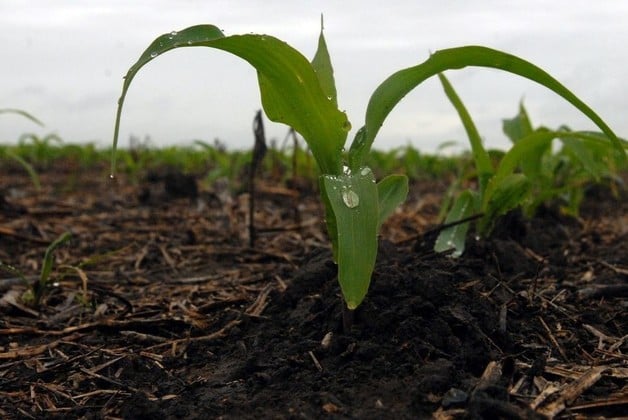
(290, 89)
(393, 89)
(23, 114)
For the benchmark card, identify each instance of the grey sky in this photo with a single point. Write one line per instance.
(63, 61)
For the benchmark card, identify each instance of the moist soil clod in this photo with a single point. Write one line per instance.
(159, 308)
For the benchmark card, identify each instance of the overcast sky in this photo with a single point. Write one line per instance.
(63, 61)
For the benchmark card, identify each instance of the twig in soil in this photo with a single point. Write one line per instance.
(573, 391)
(553, 339)
(259, 150)
(111, 381)
(612, 290)
(616, 269)
(316, 362)
(218, 334)
(260, 303)
(31, 351)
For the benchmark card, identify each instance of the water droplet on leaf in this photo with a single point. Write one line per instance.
(154, 54)
(350, 198)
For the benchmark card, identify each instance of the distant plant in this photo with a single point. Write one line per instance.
(531, 172)
(16, 156)
(35, 293)
(302, 94)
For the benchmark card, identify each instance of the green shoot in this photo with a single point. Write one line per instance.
(522, 178)
(46, 268)
(302, 95)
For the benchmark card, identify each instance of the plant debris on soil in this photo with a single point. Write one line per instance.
(159, 307)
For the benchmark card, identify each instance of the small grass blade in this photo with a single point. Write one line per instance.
(391, 192)
(32, 173)
(46, 267)
(454, 237)
(23, 114)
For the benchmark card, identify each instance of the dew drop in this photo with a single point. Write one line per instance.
(173, 33)
(112, 177)
(365, 171)
(154, 54)
(350, 198)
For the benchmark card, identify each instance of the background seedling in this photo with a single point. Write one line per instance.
(528, 174)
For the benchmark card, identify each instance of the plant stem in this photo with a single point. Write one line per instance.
(348, 315)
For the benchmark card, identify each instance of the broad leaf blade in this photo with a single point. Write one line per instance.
(454, 237)
(391, 192)
(290, 89)
(393, 89)
(354, 201)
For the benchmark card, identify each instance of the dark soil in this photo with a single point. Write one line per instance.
(159, 308)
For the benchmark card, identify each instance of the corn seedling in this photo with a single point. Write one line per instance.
(40, 286)
(526, 175)
(15, 156)
(302, 94)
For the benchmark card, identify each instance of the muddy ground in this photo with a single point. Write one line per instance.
(159, 307)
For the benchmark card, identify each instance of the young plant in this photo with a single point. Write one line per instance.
(302, 95)
(526, 175)
(33, 295)
(15, 156)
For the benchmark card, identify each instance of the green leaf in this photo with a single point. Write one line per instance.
(454, 237)
(510, 192)
(354, 200)
(323, 68)
(23, 114)
(391, 192)
(590, 152)
(480, 155)
(526, 148)
(393, 89)
(519, 126)
(290, 89)
(46, 267)
(481, 158)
